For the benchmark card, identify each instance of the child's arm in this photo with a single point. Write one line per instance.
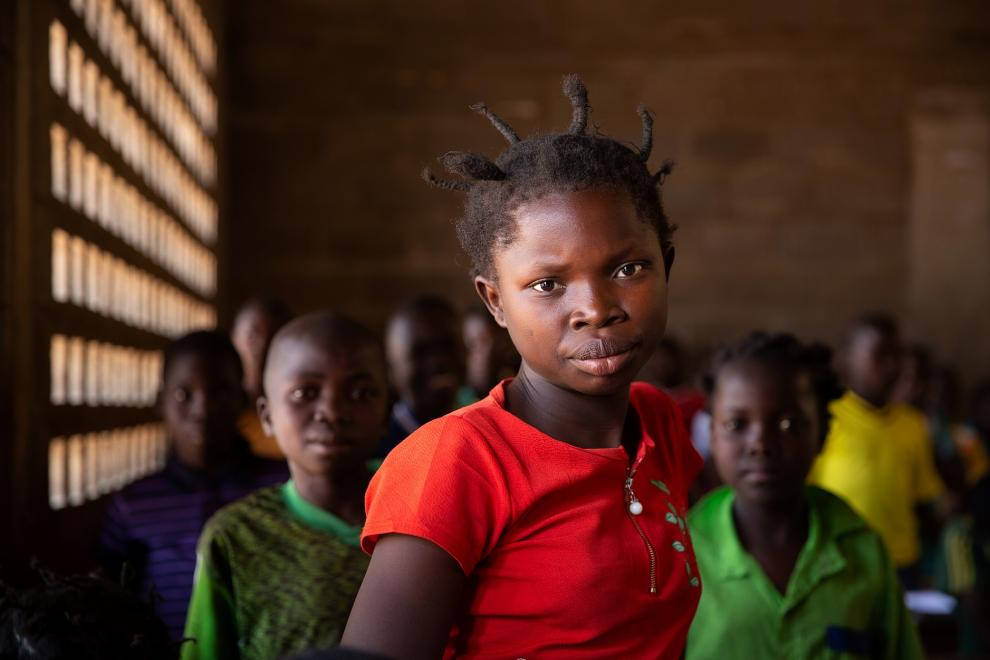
(210, 622)
(408, 600)
(116, 548)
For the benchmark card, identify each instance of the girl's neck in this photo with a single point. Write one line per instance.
(340, 494)
(772, 523)
(582, 420)
(773, 535)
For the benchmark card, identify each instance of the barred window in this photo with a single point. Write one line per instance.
(131, 219)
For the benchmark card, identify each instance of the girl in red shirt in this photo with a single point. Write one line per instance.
(546, 520)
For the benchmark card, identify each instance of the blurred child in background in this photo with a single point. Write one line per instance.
(255, 324)
(965, 569)
(789, 570)
(153, 524)
(490, 355)
(425, 352)
(878, 455)
(278, 570)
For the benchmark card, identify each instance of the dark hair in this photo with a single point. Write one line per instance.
(881, 323)
(81, 617)
(783, 352)
(273, 308)
(210, 344)
(536, 166)
(425, 304)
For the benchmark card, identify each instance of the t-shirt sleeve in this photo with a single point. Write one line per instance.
(211, 626)
(442, 484)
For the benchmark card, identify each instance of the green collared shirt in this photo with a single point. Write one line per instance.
(843, 599)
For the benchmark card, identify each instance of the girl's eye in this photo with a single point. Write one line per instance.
(789, 424)
(181, 394)
(363, 393)
(545, 286)
(303, 393)
(628, 270)
(734, 425)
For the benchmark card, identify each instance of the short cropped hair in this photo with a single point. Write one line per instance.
(210, 344)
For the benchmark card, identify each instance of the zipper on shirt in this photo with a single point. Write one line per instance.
(630, 498)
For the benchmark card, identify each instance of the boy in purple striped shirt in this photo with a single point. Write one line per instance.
(153, 524)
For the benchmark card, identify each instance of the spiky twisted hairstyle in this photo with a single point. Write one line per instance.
(543, 164)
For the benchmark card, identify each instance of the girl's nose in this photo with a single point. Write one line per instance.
(595, 306)
(332, 408)
(761, 440)
(198, 405)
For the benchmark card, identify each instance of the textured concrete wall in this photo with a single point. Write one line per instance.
(792, 129)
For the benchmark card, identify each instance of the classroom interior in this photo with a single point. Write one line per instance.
(162, 161)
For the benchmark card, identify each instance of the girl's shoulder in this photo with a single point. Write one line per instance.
(484, 421)
(468, 440)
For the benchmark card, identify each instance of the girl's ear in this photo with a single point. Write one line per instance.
(668, 260)
(265, 416)
(488, 292)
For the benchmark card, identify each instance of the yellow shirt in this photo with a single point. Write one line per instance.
(881, 462)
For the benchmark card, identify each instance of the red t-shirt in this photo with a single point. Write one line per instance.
(557, 566)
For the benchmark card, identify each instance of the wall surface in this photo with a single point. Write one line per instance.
(796, 133)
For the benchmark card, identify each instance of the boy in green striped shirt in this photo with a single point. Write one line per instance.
(788, 570)
(277, 571)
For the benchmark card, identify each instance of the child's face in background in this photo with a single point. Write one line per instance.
(581, 289)
(490, 354)
(873, 362)
(325, 406)
(765, 431)
(200, 400)
(251, 335)
(426, 361)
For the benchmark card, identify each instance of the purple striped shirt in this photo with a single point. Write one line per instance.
(154, 524)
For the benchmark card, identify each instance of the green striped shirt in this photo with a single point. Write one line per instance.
(274, 575)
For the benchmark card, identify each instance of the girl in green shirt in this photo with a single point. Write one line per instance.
(788, 570)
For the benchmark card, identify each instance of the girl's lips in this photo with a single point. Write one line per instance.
(604, 356)
(327, 445)
(603, 366)
(761, 475)
(603, 347)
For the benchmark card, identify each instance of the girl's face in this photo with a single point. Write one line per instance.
(765, 431)
(581, 289)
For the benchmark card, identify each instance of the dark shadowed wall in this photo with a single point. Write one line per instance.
(830, 160)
